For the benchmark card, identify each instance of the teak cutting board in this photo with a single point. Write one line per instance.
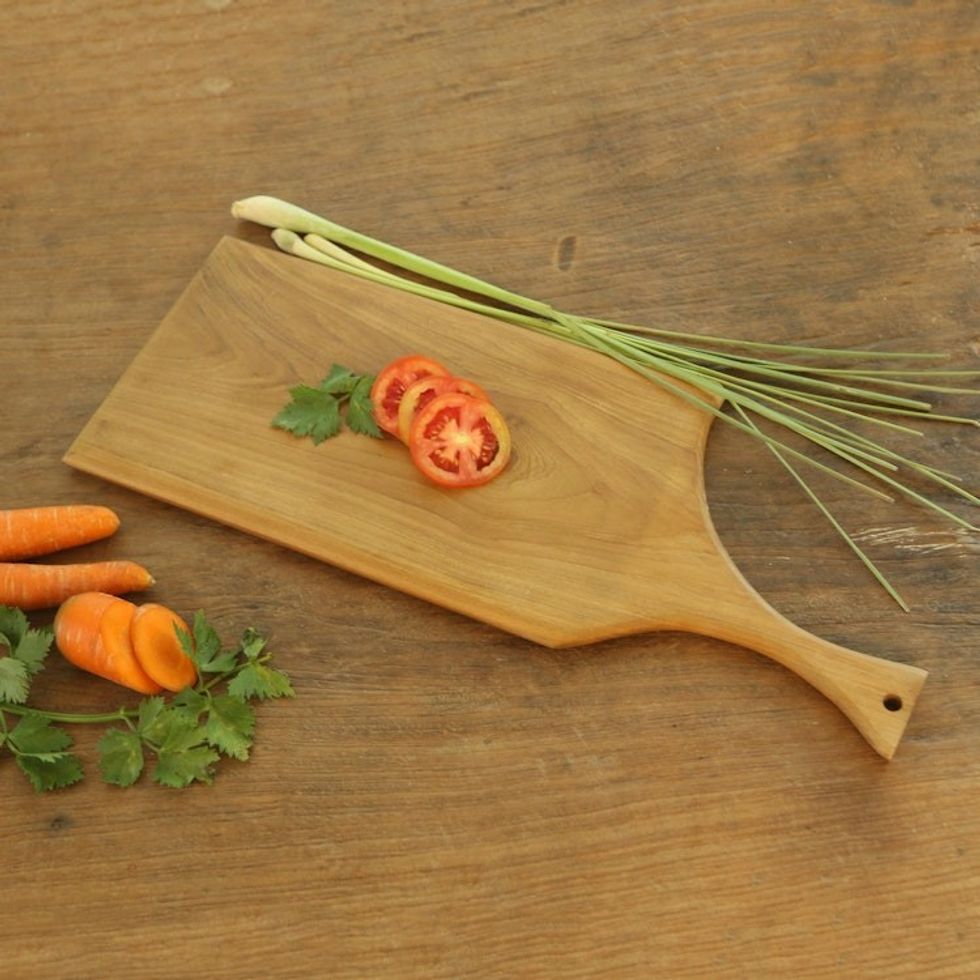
(598, 528)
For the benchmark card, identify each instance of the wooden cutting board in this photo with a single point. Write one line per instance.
(598, 528)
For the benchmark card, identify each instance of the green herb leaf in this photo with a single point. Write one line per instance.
(13, 625)
(33, 648)
(312, 412)
(193, 701)
(120, 757)
(340, 380)
(181, 768)
(252, 644)
(14, 680)
(52, 771)
(148, 712)
(36, 735)
(230, 725)
(27, 649)
(256, 680)
(315, 412)
(205, 647)
(360, 412)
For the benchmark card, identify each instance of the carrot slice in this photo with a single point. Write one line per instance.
(26, 532)
(92, 632)
(157, 648)
(28, 586)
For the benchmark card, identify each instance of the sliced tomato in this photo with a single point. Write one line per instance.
(419, 393)
(391, 383)
(459, 441)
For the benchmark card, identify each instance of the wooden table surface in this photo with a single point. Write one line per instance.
(442, 799)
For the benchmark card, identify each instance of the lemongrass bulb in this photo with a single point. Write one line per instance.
(276, 213)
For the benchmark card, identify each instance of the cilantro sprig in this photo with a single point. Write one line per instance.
(184, 738)
(316, 412)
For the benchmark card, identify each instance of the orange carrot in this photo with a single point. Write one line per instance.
(30, 531)
(158, 649)
(42, 586)
(91, 630)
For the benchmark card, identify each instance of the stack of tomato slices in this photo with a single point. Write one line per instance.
(455, 435)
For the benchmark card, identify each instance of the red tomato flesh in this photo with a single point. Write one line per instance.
(391, 383)
(420, 393)
(458, 440)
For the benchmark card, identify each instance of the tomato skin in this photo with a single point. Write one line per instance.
(392, 381)
(458, 440)
(420, 393)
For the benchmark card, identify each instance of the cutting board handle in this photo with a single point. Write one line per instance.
(876, 695)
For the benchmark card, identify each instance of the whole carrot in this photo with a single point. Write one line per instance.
(29, 586)
(30, 531)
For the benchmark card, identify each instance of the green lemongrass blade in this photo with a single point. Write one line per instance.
(941, 477)
(773, 369)
(762, 345)
(276, 213)
(655, 373)
(290, 241)
(851, 543)
(808, 432)
(805, 397)
(920, 498)
(875, 377)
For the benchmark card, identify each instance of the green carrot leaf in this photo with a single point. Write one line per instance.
(120, 757)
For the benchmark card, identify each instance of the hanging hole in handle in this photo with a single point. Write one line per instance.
(892, 702)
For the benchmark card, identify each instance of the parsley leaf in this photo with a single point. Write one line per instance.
(360, 412)
(230, 725)
(255, 680)
(315, 412)
(50, 771)
(39, 747)
(120, 757)
(14, 683)
(179, 769)
(27, 649)
(312, 412)
(36, 735)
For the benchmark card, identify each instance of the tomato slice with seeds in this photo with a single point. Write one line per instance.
(459, 441)
(392, 381)
(419, 393)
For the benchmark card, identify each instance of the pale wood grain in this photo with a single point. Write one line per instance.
(445, 800)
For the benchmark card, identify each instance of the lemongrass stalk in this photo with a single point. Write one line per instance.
(655, 372)
(767, 370)
(289, 241)
(851, 543)
(808, 432)
(276, 213)
(764, 345)
(941, 477)
(809, 397)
